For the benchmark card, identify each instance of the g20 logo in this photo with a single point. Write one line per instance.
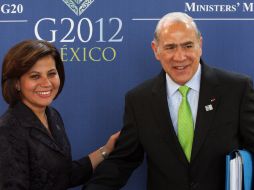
(78, 6)
(11, 8)
(83, 30)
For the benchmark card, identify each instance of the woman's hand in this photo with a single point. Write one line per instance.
(110, 145)
(99, 155)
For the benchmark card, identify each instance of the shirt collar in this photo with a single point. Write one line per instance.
(193, 83)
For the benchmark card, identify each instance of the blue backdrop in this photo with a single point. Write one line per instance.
(105, 45)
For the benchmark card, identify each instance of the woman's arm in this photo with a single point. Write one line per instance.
(102, 153)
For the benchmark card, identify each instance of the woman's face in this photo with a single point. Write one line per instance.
(39, 86)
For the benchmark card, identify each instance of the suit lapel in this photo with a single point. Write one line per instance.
(162, 115)
(45, 139)
(208, 102)
(58, 131)
(28, 119)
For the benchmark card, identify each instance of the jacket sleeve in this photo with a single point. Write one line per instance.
(14, 170)
(247, 117)
(114, 172)
(81, 171)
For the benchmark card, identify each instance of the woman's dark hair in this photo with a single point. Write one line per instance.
(20, 59)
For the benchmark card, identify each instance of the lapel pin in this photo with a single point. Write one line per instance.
(208, 107)
(213, 99)
(58, 127)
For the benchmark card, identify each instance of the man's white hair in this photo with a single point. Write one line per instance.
(173, 18)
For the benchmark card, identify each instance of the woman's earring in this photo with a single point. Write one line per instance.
(17, 87)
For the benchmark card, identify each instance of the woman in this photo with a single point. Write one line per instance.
(34, 150)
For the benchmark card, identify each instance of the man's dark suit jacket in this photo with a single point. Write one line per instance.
(148, 129)
(30, 159)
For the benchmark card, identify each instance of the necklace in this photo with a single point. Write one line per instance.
(46, 117)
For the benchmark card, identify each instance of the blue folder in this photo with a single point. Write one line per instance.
(239, 169)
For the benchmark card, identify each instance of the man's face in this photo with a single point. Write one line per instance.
(178, 50)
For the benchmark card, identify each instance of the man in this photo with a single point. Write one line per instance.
(185, 135)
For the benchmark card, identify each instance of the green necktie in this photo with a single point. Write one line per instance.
(185, 123)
